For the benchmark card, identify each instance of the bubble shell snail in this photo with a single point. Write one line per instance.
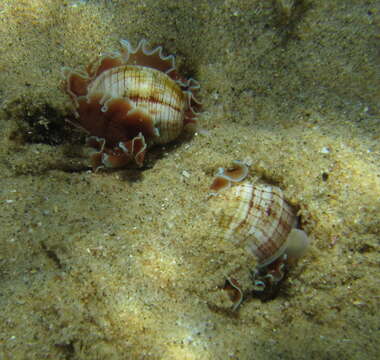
(258, 218)
(129, 100)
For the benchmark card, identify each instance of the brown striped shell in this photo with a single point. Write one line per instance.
(254, 216)
(130, 100)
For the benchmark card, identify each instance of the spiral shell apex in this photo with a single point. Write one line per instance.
(254, 216)
(130, 100)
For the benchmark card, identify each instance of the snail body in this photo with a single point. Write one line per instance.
(130, 100)
(257, 218)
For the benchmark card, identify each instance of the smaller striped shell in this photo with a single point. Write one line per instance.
(254, 216)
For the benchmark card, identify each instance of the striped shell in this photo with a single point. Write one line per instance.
(130, 100)
(255, 217)
(151, 91)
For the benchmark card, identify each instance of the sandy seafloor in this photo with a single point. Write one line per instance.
(127, 264)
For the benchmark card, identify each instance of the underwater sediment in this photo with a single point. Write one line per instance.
(126, 263)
